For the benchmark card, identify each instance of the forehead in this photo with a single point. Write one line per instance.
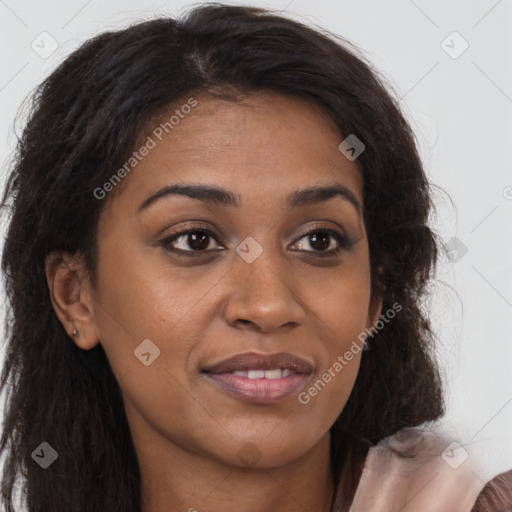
(263, 146)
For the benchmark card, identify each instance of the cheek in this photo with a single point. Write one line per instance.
(341, 304)
(329, 390)
(342, 313)
(172, 308)
(141, 303)
(142, 296)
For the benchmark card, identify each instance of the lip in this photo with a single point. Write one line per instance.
(260, 390)
(254, 361)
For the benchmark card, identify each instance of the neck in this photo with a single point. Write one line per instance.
(175, 479)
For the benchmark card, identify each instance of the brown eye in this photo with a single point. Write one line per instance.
(190, 240)
(323, 241)
(320, 241)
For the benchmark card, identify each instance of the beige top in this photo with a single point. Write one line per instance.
(418, 471)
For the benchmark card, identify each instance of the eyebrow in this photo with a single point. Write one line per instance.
(222, 197)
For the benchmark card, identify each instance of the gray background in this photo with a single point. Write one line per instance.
(461, 109)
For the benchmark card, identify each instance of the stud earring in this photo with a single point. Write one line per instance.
(75, 333)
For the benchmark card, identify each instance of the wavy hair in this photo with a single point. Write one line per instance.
(84, 121)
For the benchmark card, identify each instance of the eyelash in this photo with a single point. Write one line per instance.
(343, 241)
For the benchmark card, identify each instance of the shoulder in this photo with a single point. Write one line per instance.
(496, 496)
(423, 446)
(421, 469)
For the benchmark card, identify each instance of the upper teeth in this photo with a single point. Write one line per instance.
(264, 374)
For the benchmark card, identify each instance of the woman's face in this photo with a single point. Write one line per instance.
(257, 282)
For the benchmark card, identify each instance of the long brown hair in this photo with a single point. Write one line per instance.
(84, 121)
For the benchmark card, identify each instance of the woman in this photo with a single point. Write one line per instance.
(215, 262)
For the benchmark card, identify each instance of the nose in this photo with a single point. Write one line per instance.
(262, 297)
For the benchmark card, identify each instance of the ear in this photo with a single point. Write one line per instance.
(70, 294)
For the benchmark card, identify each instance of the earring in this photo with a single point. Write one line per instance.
(75, 333)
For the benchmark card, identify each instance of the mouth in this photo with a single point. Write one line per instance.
(260, 378)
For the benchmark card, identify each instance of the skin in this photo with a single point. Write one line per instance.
(187, 433)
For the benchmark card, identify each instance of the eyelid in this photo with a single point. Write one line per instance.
(185, 230)
(320, 226)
